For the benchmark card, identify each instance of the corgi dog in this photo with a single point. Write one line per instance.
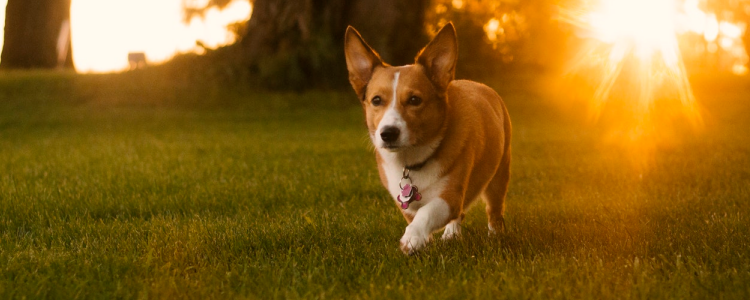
(439, 143)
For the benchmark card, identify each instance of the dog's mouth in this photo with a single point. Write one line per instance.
(392, 147)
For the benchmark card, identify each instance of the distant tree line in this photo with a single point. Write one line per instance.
(296, 44)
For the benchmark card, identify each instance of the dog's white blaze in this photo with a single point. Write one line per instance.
(395, 88)
(393, 118)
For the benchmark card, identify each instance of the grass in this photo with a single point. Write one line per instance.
(132, 186)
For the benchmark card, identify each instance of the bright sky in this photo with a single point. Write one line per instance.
(104, 31)
(2, 21)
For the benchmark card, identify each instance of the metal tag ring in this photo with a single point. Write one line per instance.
(400, 183)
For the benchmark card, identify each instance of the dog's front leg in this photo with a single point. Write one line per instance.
(429, 218)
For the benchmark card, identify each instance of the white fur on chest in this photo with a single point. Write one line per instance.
(428, 179)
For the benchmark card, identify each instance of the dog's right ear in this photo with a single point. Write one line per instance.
(361, 61)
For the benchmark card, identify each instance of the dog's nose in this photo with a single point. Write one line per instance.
(389, 134)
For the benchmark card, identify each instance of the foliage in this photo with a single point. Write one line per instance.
(502, 33)
(136, 185)
(297, 44)
(194, 8)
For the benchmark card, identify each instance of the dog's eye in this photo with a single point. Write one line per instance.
(376, 101)
(414, 100)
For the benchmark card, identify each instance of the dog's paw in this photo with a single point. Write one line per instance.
(452, 231)
(495, 228)
(412, 241)
(491, 231)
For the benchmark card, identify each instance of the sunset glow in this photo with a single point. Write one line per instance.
(636, 43)
(645, 29)
(105, 31)
(645, 26)
(3, 3)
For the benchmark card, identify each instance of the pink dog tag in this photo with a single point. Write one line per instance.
(406, 191)
(408, 194)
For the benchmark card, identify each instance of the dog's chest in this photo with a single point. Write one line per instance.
(427, 180)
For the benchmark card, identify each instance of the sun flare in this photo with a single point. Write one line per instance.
(635, 43)
(645, 26)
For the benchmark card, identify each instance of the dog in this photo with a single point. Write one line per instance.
(439, 143)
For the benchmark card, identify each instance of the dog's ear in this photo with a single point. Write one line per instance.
(439, 57)
(361, 60)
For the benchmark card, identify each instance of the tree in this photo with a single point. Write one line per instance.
(32, 29)
(295, 44)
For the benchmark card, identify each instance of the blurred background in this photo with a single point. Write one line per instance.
(297, 44)
(633, 63)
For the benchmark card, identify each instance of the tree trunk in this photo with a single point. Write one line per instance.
(32, 29)
(299, 43)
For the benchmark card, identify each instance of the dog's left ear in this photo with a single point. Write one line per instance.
(439, 57)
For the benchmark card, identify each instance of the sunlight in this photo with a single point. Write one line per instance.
(647, 25)
(719, 35)
(3, 3)
(635, 42)
(105, 31)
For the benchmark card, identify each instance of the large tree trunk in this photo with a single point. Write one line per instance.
(32, 29)
(299, 43)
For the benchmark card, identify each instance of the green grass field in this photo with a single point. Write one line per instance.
(124, 186)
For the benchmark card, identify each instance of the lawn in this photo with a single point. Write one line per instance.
(129, 186)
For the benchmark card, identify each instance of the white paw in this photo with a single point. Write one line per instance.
(492, 230)
(413, 241)
(452, 230)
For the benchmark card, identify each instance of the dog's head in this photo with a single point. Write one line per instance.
(405, 106)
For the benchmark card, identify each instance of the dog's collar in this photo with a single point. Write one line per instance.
(418, 166)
